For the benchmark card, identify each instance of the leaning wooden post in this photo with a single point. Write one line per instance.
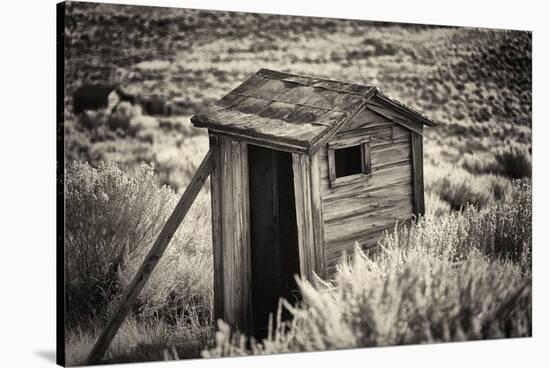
(153, 257)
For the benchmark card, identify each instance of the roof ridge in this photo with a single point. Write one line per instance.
(288, 103)
(261, 73)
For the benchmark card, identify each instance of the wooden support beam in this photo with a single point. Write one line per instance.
(418, 173)
(309, 216)
(153, 257)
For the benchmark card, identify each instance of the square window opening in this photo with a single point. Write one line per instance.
(348, 161)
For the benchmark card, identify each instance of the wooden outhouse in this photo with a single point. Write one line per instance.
(304, 169)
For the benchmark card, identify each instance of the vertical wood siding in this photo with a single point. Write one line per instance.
(418, 173)
(232, 273)
(309, 215)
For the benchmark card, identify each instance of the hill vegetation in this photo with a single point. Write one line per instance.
(468, 261)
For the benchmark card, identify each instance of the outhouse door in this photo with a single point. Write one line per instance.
(273, 233)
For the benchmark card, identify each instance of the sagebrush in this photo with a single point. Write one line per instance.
(112, 219)
(463, 276)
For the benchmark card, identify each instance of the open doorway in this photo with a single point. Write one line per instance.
(273, 233)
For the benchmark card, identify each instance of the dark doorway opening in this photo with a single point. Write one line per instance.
(273, 234)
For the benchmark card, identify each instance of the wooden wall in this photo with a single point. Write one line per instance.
(231, 233)
(361, 211)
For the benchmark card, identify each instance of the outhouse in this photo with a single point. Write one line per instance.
(304, 169)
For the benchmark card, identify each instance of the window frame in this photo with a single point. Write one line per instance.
(366, 168)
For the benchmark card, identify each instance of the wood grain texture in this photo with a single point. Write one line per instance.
(360, 211)
(317, 216)
(153, 257)
(236, 266)
(304, 216)
(365, 118)
(308, 215)
(418, 173)
(217, 238)
(389, 111)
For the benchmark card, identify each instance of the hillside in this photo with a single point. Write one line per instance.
(476, 83)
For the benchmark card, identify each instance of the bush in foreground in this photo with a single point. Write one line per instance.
(112, 219)
(464, 276)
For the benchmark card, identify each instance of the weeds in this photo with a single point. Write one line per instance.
(112, 219)
(514, 162)
(464, 276)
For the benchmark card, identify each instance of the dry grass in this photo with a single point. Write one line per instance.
(112, 219)
(463, 276)
(479, 92)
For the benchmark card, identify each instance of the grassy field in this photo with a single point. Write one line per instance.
(475, 82)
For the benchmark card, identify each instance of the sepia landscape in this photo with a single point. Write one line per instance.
(461, 272)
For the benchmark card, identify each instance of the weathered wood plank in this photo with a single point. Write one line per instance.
(418, 174)
(382, 133)
(367, 221)
(227, 232)
(216, 219)
(398, 172)
(317, 212)
(383, 108)
(365, 202)
(236, 247)
(399, 132)
(365, 118)
(337, 142)
(153, 257)
(304, 216)
(394, 153)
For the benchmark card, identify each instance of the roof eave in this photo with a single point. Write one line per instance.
(400, 106)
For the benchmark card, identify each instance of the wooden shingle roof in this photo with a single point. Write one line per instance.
(289, 111)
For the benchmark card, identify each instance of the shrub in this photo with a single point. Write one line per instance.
(514, 162)
(122, 115)
(91, 119)
(112, 219)
(463, 276)
(435, 206)
(479, 164)
(459, 188)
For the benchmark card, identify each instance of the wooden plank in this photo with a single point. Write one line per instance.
(393, 153)
(385, 109)
(336, 143)
(365, 202)
(304, 216)
(399, 132)
(281, 146)
(331, 166)
(235, 232)
(366, 161)
(406, 110)
(354, 226)
(153, 257)
(217, 238)
(418, 173)
(317, 212)
(364, 119)
(398, 172)
(227, 231)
